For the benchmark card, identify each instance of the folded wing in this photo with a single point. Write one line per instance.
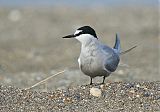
(111, 60)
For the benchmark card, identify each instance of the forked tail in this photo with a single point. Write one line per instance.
(117, 46)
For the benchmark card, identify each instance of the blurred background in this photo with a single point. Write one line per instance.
(32, 48)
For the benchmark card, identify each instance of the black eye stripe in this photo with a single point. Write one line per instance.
(78, 33)
(83, 33)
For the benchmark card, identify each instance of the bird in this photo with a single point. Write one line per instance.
(96, 58)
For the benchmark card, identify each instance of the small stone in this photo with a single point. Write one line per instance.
(77, 96)
(145, 88)
(132, 91)
(67, 100)
(146, 94)
(102, 86)
(129, 85)
(137, 85)
(95, 92)
(137, 96)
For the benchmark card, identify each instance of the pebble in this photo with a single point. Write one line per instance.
(146, 94)
(95, 92)
(129, 85)
(137, 85)
(137, 96)
(102, 86)
(132, 91)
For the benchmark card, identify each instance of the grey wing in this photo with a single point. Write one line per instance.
(112, 59)
(111, 63)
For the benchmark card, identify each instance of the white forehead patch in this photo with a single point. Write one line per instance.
(77, 31)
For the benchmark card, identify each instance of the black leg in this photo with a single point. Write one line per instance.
(91, 81)
(103, 79)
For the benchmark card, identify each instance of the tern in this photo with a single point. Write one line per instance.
(96, 59)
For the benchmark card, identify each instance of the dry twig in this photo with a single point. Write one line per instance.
(44, 80)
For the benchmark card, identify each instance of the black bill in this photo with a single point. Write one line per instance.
(69, 36)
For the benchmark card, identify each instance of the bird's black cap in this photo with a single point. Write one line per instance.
(84, 30)
(87, 30)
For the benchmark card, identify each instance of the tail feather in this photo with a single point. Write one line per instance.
(117, 45)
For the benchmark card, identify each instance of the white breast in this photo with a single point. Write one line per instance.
(79, 61)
